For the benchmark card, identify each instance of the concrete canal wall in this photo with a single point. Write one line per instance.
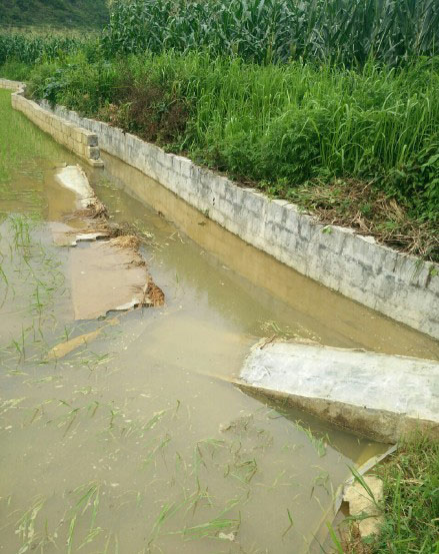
(11, 85)
(392, 283)
(80, 141)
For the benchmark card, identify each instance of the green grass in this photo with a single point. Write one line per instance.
(289, 129)
(411, 502)
(330, 104)
(411, 488)
(54, 13)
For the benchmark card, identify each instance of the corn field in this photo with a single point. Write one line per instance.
(33, 48)
(264, 31)
(348, 32)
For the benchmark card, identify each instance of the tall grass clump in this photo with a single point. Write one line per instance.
(278, 124)
(264, 31)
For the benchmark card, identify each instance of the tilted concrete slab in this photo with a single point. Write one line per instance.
(73, 178)
(379, 396)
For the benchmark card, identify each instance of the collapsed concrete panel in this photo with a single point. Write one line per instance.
(375, 395)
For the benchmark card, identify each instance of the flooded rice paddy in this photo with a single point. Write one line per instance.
(137, 440)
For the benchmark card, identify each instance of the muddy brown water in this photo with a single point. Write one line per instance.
(136, 441)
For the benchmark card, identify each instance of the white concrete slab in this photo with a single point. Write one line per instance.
(73, 178)
(376, 395)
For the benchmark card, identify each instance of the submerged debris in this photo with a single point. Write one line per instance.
(127, 241)
(64, 348)
(152, 295)
(108, 274)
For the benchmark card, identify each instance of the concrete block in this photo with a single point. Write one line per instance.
(375, 395)
(93, 152)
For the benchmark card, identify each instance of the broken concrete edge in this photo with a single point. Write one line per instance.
(78, 140)
(378, 425)
(328, 518)
(373, 395)
(395, 284)
(87, 237)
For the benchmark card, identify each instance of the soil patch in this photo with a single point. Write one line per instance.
(359, 205)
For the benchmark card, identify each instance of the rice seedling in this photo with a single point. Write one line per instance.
(319, 443)
(167, 512)
(291, 525)
(245, 470)
(215, 526)
(321, 480)
(25, 526)
(88, 501)
(10, 404)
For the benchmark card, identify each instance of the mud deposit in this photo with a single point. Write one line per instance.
(133, 440)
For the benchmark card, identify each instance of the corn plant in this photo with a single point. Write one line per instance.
(31, 48)
(345, 31)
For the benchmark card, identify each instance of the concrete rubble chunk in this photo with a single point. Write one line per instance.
(378, 396)
(365, 501)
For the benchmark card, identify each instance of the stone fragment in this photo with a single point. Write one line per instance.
(365, 501)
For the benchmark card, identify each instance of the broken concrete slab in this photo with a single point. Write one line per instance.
(109, 275)
(106, 278)
(375, 395)
(73, 178)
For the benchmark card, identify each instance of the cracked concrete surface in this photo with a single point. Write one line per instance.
(376, 395)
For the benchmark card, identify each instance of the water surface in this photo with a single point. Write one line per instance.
(138, 441)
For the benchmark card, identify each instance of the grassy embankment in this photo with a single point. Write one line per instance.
(411, 503)
(332, 105)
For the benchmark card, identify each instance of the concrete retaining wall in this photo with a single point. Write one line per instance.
(82, 142)
(397, 285)
(11, 85)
